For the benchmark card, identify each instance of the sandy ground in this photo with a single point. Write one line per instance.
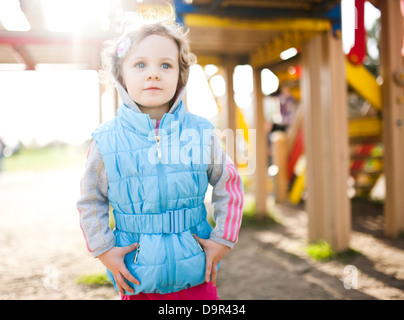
(43, 252)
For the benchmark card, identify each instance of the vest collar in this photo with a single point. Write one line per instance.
(142, 124)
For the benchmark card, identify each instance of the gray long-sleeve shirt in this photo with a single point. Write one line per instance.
(93, 205)
(227, 200)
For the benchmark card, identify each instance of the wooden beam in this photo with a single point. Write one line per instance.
(261, 149)
(365, 127)
(364, 83)
(203, 60)
(59, 38)
(268, 4)
(393, 114)
(269, 53)
(302, 24)
(21, 55)
(324, 103)
(34, 13)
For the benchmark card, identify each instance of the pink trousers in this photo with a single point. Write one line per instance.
(205, 291)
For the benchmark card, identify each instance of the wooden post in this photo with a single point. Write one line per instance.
(393, 114)
(260, 148)
(229, 64)
(324, 103)
(280, 159)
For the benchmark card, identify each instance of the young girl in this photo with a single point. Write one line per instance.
(152, 163)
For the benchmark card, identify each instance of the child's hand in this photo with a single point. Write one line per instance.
(113, 260)
(214, 253)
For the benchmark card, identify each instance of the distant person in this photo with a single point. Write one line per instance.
(141, 163)
(279, 111)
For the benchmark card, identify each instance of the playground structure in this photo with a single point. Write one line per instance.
(365, 134)
(228, 33)
(334, 148)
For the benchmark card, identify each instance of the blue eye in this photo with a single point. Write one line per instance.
(165, 66)
(140, 65)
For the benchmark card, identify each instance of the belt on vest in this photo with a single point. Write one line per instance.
(171, 221)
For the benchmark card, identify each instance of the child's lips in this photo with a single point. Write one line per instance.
(153, 89)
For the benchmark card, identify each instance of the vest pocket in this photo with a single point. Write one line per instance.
(166, 263)
(190, 266)
(191, 272)
(148, 266)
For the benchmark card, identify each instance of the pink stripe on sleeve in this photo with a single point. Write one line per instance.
(234, 212)
(89, 149)
(237, 210)
(229, 207)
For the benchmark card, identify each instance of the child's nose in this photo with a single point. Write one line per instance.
(153, 75)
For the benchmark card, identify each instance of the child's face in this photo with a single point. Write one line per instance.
(150, 72)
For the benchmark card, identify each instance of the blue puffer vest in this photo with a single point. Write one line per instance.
(156, 186)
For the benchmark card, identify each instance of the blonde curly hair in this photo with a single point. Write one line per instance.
(139, 25)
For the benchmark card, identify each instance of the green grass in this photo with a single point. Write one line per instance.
(322, 251)
(46, 158)
(94, 280)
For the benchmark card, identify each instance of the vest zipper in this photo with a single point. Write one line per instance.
(171, 268)
(157, 138)
(136, 254)
(161, 170)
